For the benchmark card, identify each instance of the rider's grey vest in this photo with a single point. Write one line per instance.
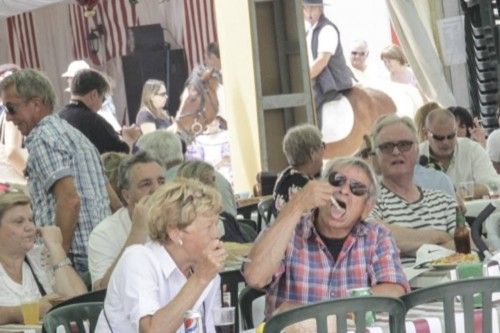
(336, 76)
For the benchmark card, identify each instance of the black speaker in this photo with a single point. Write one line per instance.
(165, 65)
(145, 38)
(177, 74)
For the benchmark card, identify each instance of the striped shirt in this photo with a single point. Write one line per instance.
(308, 273)
(57, 150)
(434, 209)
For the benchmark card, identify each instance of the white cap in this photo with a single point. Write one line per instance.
(74, 67)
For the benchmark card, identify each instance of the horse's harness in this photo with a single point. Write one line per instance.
(199, 114)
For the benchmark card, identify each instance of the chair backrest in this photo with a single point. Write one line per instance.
(93, 296)
(447, 293)
(341, 308)
(73, 315)
(266, 209)
(245, 300)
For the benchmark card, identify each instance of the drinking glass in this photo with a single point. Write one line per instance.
(30, 308)
(467, 190)
(224, 319)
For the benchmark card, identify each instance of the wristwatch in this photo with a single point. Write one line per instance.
(65, 262)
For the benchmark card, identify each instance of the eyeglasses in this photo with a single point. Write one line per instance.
(403, 146)
(163, 94)
(338, 179)
(354, 53)
(443, 137)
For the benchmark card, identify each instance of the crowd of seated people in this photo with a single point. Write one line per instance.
(137, 215)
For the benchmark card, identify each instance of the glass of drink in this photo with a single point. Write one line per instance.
(224, 319)
(494, 190)
(466, 190)
(30, 308)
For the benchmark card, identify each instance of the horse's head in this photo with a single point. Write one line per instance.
(199, 103)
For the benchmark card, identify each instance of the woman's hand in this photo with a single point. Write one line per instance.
(52, 238)
(48, 301)
(51, 235)
(211, 261)
(477, 133)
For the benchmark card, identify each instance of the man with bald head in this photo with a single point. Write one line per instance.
(358, 56)
(461, 159)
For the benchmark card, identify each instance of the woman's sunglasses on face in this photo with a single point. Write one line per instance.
(403, 146)
(338, 179)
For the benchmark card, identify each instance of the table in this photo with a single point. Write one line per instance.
(16, 328)
(247, 206)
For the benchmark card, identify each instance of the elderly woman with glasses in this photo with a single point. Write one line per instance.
(320, 247)
(154, 284)
(152, 114)
(28, 271)
(415, 216)
(304, 151)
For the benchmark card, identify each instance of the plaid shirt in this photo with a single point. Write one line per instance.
(308, 272)
(57, 150)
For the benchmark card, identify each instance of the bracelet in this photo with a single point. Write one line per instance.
(65, 262)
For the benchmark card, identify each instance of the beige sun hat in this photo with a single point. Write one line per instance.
(74, 67)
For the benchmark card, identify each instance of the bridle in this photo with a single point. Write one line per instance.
(199, 81)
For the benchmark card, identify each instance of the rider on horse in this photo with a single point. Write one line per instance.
(327, 63)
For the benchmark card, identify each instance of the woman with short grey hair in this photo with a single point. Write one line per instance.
(304, 149)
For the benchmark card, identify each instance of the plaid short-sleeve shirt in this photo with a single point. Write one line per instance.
(309, 273)
(58, 150)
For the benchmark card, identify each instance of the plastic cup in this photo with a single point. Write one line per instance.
(224, 319)
(30, 308)
(467, 190)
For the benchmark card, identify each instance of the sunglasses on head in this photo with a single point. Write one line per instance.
(388, 147)
(358, 53)
(338, 179)
(443, 137)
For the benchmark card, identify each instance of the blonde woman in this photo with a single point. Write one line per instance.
(154, 284)
(24, 268)
(152, 114)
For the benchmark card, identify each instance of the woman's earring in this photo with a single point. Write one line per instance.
(180, 242)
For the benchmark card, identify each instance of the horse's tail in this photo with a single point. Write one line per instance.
(368, 105)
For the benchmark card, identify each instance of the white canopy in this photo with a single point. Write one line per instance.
(14, 7)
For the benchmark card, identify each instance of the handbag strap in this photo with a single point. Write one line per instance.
(41, 289)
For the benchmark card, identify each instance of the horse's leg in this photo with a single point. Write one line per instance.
(367, 105)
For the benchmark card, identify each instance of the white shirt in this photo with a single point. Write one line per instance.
(145, 280)
(328, 40)
(106, 241)
(11, 292)
(493, 145)
(470, 163)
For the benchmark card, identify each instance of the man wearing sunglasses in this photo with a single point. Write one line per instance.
(320, 247)
(462, 159)
(415, 215)
(66, 180)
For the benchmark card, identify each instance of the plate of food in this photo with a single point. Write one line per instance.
(451, 261)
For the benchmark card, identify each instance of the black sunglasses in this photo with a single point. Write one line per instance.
(443, 137)
(358, 53)
(338, 179)
(388, 147)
